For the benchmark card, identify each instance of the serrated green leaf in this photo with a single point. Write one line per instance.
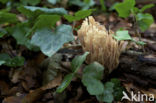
(50, 42)
(67, 79)
(144, 20)
(78, 15)
(7, 18)
(146, 7)
(92, 74)
(124, 8)
(122, 35)
(77, 61)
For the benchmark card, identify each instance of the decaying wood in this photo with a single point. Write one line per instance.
(138, 69)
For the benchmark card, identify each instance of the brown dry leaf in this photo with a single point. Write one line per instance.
(54, 83)
(150, 91)
(4, 88)
(35, 95)
(13, 99)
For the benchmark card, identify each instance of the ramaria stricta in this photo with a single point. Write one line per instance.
(99, 42)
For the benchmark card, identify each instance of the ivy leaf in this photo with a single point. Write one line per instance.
(53, 1)
(7, 18)
(85, 4)
(77, 62)
(92, 75)
(19, 33)
(146, 7)
(144, 20)
(16, 61)
(2, 62)
(11, 62)
(31, 2)
(94, 86)
(118, 89)
(78, 15)
(45, 21)
(124, 8)
(107, 95)
(2, 32)
(31, 11)
(50, 42)
(3, 58)
(122, 35)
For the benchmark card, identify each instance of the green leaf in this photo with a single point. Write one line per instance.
(124, 8)
(122, 35)
(31, 11)
(118, 89)
(92, 75)
(11, 62)
(107, 95)
(46, 21)
(138, 42)
(2, 32)
(7, 18)
(3, 58)
(50, 42)
(19, 33)
(53, 1)
(4, 1)
(67, 79)
(77, 61)
(94, 70)
(31, 2)
(94, 86)
(16, 61)
(78, 15)
(85, 4)
(2, 62)
(146, 7)
(144, 20)
(103, 7)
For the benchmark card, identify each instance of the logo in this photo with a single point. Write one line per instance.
(138, 97)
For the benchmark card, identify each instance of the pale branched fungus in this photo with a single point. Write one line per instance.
(99, 42)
